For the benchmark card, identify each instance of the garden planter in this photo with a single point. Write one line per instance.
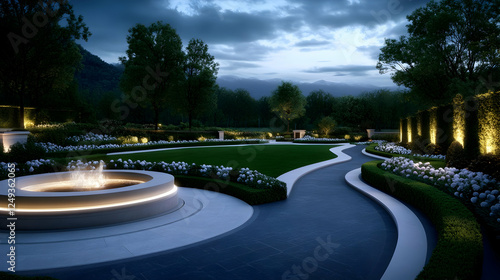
(10, 138)
(370, 132)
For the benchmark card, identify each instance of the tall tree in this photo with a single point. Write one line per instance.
(153, 66)
(319, 105)
(38, 54)
(452, 47)
(288, 102)
(197, 91)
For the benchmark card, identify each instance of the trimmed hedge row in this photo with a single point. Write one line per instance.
(459, 250)
(249, 195)
(146, 147)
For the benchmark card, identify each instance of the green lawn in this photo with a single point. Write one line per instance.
(272, 160)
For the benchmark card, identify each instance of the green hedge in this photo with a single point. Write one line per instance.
(445, 126)
(459, 250)
(404, 130)
(423, 123)
(471, 139)
(249, 195)
(145, 147)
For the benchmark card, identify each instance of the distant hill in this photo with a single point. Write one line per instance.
(97, 75)
(259, 88)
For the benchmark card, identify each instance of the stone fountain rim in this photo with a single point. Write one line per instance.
(153, 178)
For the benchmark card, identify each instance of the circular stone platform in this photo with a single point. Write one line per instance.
(38, 210)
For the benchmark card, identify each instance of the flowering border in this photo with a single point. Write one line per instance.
(480, 189)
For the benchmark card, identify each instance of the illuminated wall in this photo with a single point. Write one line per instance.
(474, 122)
(459, 119)
(433, 125)
(408, 129)
(489, 122)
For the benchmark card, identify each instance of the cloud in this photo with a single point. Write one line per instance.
(239, 65)
(312, 43)
(343, 70)
(242, 33)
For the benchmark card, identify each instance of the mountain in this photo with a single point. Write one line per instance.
(259, 88)
(97, 75)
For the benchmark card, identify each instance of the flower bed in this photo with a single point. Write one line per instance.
(392, 148)
(91, 137)
(480, 189)
(269, 188)
(310, 139)
(61, 151)
(248, 185)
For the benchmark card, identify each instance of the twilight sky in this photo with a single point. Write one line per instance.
(294, 40)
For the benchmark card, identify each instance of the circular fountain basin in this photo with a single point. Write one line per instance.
(41, 204)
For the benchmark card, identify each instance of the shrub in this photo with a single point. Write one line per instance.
(24, 152)
(419, 145)
(488, 164)
(326, 125)
(459, 250)
(433, 149)
(455, 157)
(389, 137)
(249, 195)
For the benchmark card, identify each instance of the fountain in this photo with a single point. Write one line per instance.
(88, 198)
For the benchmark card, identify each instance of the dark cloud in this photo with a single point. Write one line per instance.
(371, 51)
(236, 35)
(241, 51)
(312, 43)
(343, 70)
(235, 65)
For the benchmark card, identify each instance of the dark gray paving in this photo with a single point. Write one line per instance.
(324, 230)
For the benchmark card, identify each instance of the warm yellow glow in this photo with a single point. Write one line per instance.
(28, 123)
(400, 130)
(358, 137)
(408, 129)
(459, 119)
(201, 138)
(144, 140)
(62, 186)
(488, 134)
(110, 205)
(347, 137)
(419, 126)
(433, 125)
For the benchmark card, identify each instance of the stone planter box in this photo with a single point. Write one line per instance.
(9, 138)
(297, 134)
(370, 132)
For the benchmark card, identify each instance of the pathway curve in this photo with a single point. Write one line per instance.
(324, 230)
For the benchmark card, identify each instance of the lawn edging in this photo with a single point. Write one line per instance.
(459, 250)
(249, 195)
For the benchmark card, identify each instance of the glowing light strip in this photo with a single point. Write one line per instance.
(172, 191)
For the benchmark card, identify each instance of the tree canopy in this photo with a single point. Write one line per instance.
(153, 67)
(39, 55)
(452, 47)
(287, 102)
(196, 93)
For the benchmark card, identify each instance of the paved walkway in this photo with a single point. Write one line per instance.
(324, 230)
